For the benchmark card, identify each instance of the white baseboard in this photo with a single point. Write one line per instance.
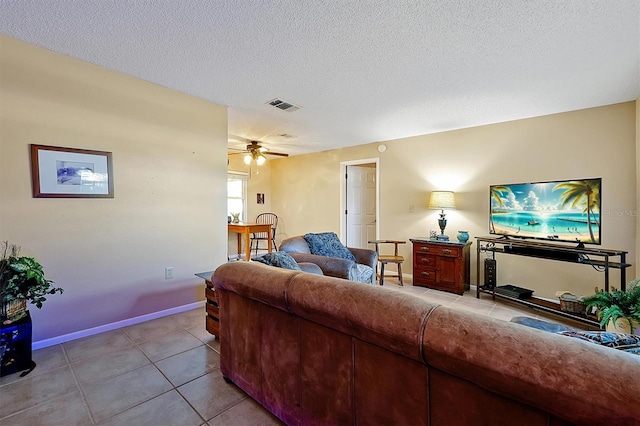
(114, 325)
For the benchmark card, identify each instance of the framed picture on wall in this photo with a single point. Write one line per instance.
(58, 172)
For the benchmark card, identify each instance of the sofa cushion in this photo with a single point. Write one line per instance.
(278, 259)
(328, 244)
(295, 244)
(625, 342)
(540, 324)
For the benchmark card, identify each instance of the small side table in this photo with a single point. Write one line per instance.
(441, 265)
(15, 347)
(213, 312)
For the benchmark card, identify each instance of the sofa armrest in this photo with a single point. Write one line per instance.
(365, 256)
(331, 266)
(311, 268)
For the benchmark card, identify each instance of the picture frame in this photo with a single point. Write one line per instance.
(58, 172)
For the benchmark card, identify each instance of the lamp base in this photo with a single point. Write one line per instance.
(442, 223)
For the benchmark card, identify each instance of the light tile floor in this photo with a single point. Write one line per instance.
(163, 372)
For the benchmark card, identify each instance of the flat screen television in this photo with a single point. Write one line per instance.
(564, 210)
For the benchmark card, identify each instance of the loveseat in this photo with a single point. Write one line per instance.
(314, 349)
(361, 267)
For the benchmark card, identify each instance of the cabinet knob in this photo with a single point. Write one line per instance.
(446, 251)
(424, 260)
(425, 274)
(423, 248)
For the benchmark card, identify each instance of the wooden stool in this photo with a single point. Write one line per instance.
(388, 258)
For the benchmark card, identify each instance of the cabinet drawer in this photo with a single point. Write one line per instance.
(213, 326)
(212, 309)
(424, 276)
(424, 262)
(439, 250)
(210, 294)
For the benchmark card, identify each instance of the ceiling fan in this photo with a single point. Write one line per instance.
(256, 152)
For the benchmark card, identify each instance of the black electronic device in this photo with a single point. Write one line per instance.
(567, 255)
(514, 291)
(490, 273)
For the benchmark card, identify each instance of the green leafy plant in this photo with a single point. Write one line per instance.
(22, 278)
(616, 304)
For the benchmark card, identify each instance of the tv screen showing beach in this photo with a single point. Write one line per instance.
(567, 210)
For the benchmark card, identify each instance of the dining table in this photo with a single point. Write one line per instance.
(245, 230)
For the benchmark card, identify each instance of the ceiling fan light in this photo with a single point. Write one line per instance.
(261, 159)
(247, 159)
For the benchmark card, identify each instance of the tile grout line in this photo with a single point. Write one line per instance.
(75, 378)
(173, 387)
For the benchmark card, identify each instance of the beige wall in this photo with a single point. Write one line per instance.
(637, 211)
(169, 163)
(598, 142)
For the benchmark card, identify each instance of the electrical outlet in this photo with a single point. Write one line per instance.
(168, 272)
(411, 208)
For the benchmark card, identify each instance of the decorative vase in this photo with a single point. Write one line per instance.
(463, 236)
(236, 217)
(622, 326)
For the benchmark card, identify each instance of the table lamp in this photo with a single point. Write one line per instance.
(442, 200)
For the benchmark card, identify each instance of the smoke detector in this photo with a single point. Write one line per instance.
(283, 105)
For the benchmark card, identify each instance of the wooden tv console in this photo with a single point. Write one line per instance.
(604, 259)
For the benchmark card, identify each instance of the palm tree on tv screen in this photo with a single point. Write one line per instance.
(497, 192)
(583, 193)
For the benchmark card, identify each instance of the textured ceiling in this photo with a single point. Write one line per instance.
(361, 71)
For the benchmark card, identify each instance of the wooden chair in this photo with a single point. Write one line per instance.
(388, 258)
(256, 237)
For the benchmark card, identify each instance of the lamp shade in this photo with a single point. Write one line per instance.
(442, 200)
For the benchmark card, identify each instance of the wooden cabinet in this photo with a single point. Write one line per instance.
(211, 307)
(441, 265)
(213, 313)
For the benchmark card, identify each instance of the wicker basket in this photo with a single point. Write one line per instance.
(13, 310)
(572, 303)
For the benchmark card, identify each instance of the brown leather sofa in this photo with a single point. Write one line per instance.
(314, 349)
(298, 248)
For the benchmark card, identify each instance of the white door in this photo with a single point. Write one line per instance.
(361, 205)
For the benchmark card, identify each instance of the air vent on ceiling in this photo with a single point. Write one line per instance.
(283, 105)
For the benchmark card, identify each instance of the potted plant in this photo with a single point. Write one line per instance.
(617, 310)
(22, 280)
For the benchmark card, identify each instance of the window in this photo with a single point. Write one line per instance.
(237, 194)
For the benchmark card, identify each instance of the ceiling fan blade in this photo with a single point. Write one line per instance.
(255, 147)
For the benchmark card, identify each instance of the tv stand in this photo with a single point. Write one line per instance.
(599, 258)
